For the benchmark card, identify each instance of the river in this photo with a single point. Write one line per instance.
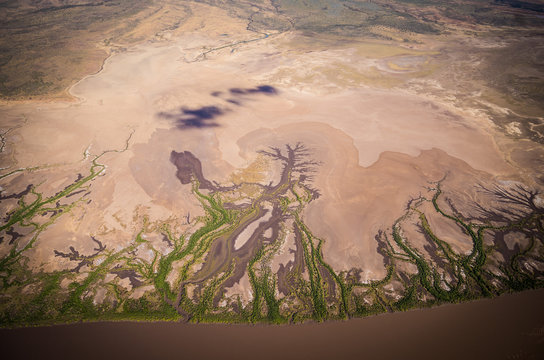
(507, 327)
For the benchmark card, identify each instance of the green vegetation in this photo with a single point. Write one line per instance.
(264, 286)
(469, 278)
(353, 18)
(46, 48)
(187, 283)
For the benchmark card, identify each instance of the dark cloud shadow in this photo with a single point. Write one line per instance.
(206, 116)
(262, 89)
(239, 95)
(185, 118)
(235, 102)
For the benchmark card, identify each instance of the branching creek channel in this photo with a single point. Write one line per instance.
(191, 281)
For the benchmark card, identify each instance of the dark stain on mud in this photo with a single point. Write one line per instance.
(14, 235)
(188, 166)
(288, 273)
(222, 254)
(167, 240)
(249, 249)
(516, 204)
(79, 177)
(130, 274)
(75, 193)
(16, 195)
(382, 247)
(81, 260)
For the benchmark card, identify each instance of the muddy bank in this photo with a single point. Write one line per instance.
(508, 327)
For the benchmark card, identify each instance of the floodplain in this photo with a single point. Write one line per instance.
(250, 163)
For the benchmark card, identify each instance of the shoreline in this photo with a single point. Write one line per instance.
(452, 331)
(375, 144)
(307, 322)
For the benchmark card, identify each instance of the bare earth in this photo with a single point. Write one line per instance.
(372, 114)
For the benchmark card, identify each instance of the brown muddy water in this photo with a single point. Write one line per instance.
(507, 327)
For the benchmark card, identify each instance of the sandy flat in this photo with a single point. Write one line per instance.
(377, 148)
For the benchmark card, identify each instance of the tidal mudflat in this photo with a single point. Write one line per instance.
(250, 169)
